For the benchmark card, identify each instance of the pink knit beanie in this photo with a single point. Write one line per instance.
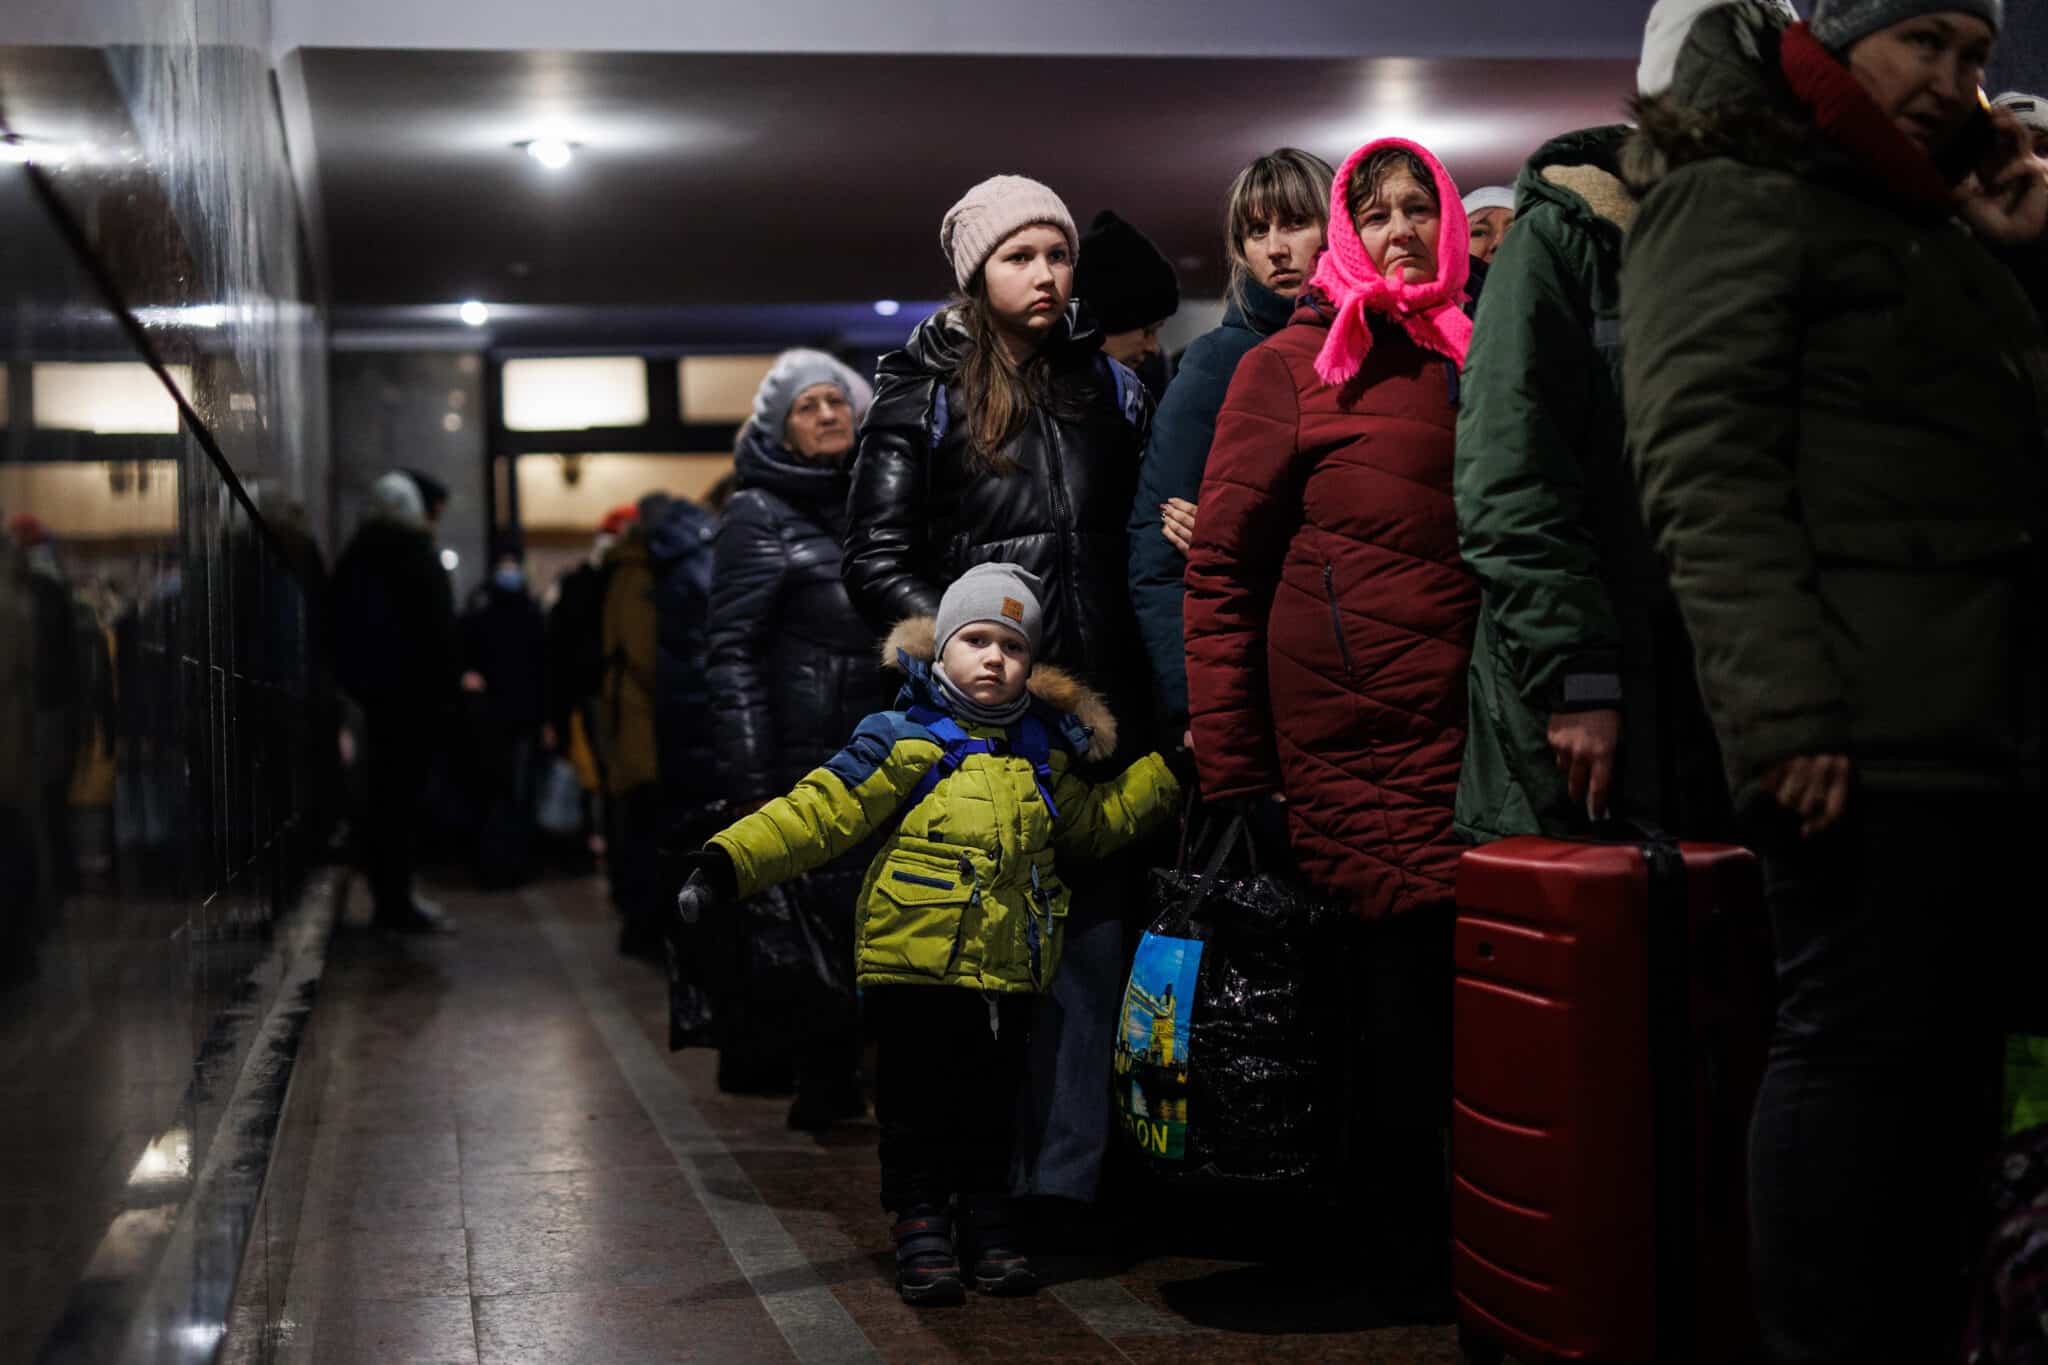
(990, 212)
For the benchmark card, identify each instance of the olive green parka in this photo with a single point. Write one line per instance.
(1836, 404)
(1575, 612)
(967, 889)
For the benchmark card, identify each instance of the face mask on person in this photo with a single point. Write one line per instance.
(510, 577)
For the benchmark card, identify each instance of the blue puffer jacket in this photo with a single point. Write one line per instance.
(680, 544)
(1172, 468)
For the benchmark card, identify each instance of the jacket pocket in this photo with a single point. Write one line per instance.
(1337, 619)
(918, 914)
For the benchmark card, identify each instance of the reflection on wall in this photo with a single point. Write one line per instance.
(167, 729)
(105, 397)
(414, 410)
(97, 500)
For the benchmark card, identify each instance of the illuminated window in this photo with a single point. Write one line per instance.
(120, 398)
(549, 501)
(574, 394)
(721, 388)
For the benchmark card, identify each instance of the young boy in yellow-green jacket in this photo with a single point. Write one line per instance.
(972, 783)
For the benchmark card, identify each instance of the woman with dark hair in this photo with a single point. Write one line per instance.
(1835, 392)
(1329, 623)
(1273, 231)
(1002, 433)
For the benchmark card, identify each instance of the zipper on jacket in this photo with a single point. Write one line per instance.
(1063, 514)
(960, 928)
(1337, 619)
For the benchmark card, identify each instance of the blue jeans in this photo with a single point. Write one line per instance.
(1879, 1105)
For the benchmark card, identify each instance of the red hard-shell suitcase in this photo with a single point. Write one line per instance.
(1613, 1010)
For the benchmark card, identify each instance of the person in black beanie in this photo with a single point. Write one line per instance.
(1130, 289)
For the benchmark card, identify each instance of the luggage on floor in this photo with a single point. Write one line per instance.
(1611, 1020)
(1217, 1075)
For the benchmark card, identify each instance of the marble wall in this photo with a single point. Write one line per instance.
(165, 730)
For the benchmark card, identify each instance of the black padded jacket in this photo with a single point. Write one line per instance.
(794, 668)
(923, 511)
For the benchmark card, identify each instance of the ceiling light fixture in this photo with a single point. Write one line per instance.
(551, 152)
(887, 308)
(474, 313)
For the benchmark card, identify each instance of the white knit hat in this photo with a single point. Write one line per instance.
(1664, 35)
(1489, 197)
(796, 371)
(990, 212)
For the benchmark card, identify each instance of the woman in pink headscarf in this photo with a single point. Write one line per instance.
(1329, 620)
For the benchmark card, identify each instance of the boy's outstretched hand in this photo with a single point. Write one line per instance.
(710, 884)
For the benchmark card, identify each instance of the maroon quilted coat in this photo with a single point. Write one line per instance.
(1329, 617)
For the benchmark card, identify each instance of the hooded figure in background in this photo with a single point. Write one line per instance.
(1132, 290)
(792, 664)
(397, 654)
(655, 706)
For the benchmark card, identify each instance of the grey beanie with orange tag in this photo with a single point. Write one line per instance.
(1004, 594)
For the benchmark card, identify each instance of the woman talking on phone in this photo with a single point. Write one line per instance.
(1834, 379)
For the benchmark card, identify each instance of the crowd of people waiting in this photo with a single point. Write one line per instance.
(1699, 480)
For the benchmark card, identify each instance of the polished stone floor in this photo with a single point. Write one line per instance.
(509, 1166)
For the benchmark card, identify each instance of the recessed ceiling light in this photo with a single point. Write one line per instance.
(888, 308)
(551, 152)
(474, 313)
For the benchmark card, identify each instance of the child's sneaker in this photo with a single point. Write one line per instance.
(998, 1267)
(927, 1271)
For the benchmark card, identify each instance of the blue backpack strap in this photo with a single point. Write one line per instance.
(955, 745)
(1030, 741)
(1129, 391)
(940, 418)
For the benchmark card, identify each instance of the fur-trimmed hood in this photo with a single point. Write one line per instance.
(1581, 173)
(1084, 716)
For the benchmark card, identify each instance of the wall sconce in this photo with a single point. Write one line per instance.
(572, 469)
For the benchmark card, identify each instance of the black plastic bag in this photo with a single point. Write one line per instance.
(795, 978)
(765, 975)
(1219, 1073)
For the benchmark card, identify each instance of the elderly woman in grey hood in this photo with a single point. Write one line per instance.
(793, 666)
